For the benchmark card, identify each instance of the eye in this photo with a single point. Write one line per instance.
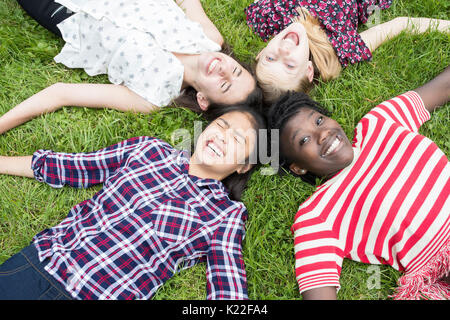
(303, 140)
(319, 120)
(224, 86)
(238, 138)
(290, 66)
(270, 59)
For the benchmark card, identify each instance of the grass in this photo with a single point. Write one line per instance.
(27, 207)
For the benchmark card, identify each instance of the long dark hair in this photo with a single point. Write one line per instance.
(188, 97)
(283, 109)
(237, 182)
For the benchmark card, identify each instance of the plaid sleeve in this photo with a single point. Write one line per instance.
(226, 277)
(81, 170)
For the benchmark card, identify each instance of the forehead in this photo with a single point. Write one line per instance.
(242, 86)
(237, 120)
(275, 73)
(299, 122)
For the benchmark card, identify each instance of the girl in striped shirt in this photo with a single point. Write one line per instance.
(385, 199)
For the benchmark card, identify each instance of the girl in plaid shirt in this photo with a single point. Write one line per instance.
(159, 211)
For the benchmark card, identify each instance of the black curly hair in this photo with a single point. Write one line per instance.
(281, 111)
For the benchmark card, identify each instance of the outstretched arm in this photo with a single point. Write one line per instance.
(78, 170)
(194, 11)
(436, 92)
(377, 35)
(323, 293)
(56, 96)
(16, 166)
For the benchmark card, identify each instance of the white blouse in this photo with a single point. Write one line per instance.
(132, 41)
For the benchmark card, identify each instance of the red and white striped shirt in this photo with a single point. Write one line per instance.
(390, 206)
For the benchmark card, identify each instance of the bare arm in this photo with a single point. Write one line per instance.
(16, 166)
(324, 293)
(377, 35)
(81, 95)
(436, 92)
(194, 11)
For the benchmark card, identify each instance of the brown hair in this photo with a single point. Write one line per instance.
(325, 61)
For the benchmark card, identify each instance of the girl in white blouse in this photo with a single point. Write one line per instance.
(151, 50)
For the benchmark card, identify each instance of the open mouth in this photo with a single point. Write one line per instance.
(332, 147)
(214, 148)
(293, 37)
(212, 65)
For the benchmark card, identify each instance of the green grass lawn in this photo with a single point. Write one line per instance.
(27, 207)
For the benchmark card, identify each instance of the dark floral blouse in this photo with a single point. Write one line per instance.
(339, 18)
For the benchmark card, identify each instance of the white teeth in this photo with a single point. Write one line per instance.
(291, 41)
(332, 147)
(212, 65)
(216, 149)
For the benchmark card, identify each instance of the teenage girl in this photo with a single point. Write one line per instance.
(160, 211)
(386, 195)
(152, 51)
(313, 40)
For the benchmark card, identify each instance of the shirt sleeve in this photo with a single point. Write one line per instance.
(267, 17)
(408, 110)
(350, 48)
(226, 277)
(317, 266)
(318, 258)
(81, 170)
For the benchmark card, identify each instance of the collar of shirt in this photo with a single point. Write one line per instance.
(217, 188)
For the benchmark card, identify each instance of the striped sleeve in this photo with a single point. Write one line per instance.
(408, 110)
(318, 258)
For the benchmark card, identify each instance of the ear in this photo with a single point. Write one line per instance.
(310, 71)
(244, 168)
(297, 170)
(203, 102)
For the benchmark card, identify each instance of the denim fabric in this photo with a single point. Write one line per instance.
(23, 277)
(47, 13)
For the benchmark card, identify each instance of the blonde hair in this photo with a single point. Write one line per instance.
(325, 61)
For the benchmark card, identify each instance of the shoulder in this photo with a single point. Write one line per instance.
(151, 147)
(407, 110)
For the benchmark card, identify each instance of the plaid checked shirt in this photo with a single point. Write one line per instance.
(150, 220)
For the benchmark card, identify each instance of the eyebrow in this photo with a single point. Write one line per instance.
(294, 134)
(225, 122)
(228, 127)
(296, 131)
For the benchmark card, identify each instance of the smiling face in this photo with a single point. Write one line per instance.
(221, 79)
(224, 146)
(316, 144)
(285, 59)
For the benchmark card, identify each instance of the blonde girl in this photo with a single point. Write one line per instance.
(315, 39)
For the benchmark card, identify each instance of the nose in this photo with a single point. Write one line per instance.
(224, 70)
(283, 50)
(323, 134)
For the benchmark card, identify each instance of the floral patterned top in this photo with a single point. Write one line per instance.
(339, 18)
